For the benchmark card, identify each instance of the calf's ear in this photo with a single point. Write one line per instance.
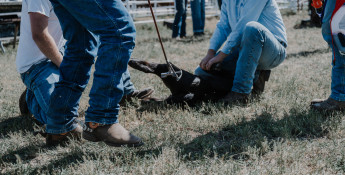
(141, 66)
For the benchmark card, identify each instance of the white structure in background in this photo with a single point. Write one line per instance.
(139, 8)
(293, 5)
(10, 0)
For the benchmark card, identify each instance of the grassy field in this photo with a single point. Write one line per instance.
(276, 135)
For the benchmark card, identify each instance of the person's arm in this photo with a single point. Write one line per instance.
(42, 38)
(251, 11)
(219, 36)
(222, 30)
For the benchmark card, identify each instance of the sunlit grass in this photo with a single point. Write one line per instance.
(277, 135)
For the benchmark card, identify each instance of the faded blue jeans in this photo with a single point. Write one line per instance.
(259, 50)
(40, 81)
(84, 22)
(338, 60)
(179, 25)
(198, 15)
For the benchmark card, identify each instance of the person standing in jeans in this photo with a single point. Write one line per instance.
(336, 100)
(179, 25)
(198, 16)
(101, 28)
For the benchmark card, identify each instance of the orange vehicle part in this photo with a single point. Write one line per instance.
(317, 4)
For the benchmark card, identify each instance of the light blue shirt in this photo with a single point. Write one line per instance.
(235, 14)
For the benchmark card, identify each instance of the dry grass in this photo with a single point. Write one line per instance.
(277, 135)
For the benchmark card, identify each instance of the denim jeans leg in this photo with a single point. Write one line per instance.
(128, 86)
(75, 69)
(218, 83)
(35, 108)
(180, 18)
(260, 50)
(198, 15)
(110, 21)
(40, 81)
(338, 76)
(338, 61)
(183, 22)
(203, 15)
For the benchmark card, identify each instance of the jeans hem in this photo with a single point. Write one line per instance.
(129, 92)
(102, 121)
(65, 130)
(337, 97)
(195, 31)
(240, 91)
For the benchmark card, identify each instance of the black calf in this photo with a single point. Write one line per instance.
(189, 89)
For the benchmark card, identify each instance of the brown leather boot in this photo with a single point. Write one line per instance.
(139, 94)
(328, 105)
(62, 139)
(259, 85)
(234, 97)
(112, 135)
(23, 106)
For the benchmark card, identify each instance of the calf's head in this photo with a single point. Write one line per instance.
(188, 83)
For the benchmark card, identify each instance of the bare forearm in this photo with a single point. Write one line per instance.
(211, 52)
(219, 58)
(48, 47)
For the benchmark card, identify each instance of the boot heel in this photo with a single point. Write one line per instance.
(90, 137)
(267, 74)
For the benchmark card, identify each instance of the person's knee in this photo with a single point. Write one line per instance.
(252, 29)
(128, 35)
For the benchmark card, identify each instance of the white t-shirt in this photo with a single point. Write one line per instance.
(28, 53)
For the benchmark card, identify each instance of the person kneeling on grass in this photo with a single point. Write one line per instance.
(255, 40)
(38, 59)
(333, 33)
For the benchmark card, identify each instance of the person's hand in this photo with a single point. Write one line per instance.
(219, 58)
(208, 57)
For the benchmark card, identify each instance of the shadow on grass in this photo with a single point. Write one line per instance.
(233, 141)
(15, 124)
(308, 53)
(66, 160)
(23, 154)
(76, 157)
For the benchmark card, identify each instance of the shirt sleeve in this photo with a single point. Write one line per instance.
(43, 7)
(222, 30)
(251, 11)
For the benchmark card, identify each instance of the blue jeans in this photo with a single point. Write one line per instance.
(128, 86)
(198, 15)
(40, 81)
(259, 50)
(84, 23)
(338, 63)
(179, 25)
